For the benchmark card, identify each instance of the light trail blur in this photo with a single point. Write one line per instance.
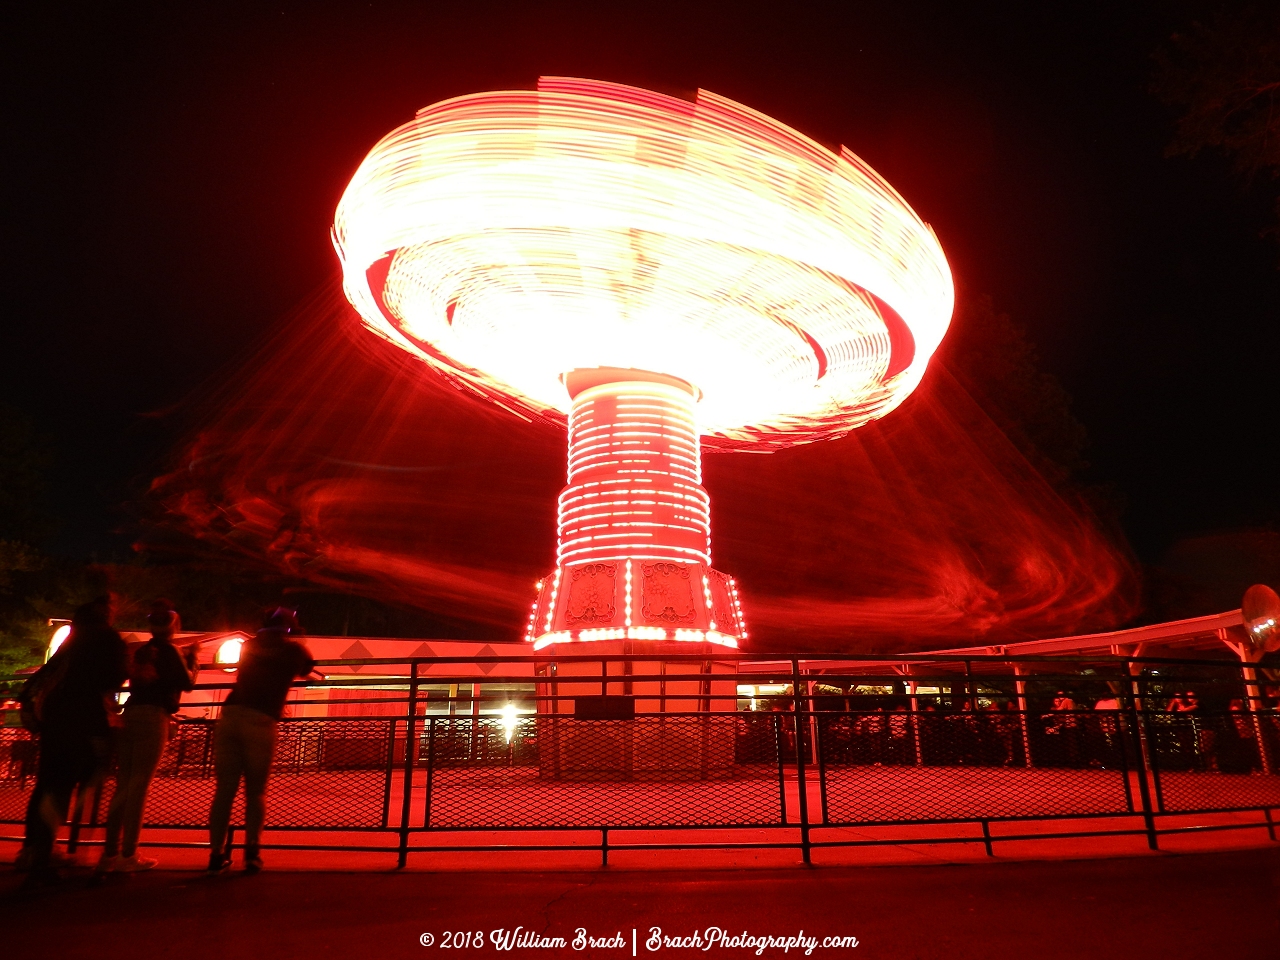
(332, 458)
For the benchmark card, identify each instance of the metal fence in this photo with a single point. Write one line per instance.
(831, 746)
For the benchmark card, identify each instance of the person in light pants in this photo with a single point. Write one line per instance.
(158, 676)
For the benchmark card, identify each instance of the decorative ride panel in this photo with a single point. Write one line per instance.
(667, 594)
(591, 595)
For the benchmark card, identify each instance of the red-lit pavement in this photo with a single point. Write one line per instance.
(1223, 904)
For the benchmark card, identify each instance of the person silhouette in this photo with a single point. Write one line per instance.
(244, 738)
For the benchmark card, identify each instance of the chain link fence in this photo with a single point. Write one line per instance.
(326, 774)
(1214, 761)
(678, 770)
(898, 766)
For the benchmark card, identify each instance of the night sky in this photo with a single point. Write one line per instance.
(171, 174)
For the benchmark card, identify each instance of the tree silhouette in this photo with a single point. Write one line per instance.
(1222, 75)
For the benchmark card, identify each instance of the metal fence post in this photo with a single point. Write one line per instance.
(1020, 691)
(915, 724)
(1253, 703)
(1144, 789)
(801, 714)
(391, 768)
(97, 803)
(820, 760)
(77, 811)
(410, 756)
(777, 752)
(431, 770)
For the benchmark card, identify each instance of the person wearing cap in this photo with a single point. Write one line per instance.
(159, 673)
(244, 739)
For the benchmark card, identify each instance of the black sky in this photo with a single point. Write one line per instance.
(170, 173)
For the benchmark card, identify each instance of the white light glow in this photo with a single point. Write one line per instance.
(602, 633)
(229, 652)
(58, 639)
(506, 238)
(559, 636)
(646, 633)
(509, 720)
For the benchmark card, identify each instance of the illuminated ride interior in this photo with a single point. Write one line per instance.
(658, 275)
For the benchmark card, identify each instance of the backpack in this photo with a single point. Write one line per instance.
(35, 692)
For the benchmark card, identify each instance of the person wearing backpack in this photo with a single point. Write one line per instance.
(75, 735)
(158, 676)
(244, 740)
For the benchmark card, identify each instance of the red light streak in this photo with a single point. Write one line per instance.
(328, 462)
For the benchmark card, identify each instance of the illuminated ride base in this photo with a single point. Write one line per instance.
(634, 557)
